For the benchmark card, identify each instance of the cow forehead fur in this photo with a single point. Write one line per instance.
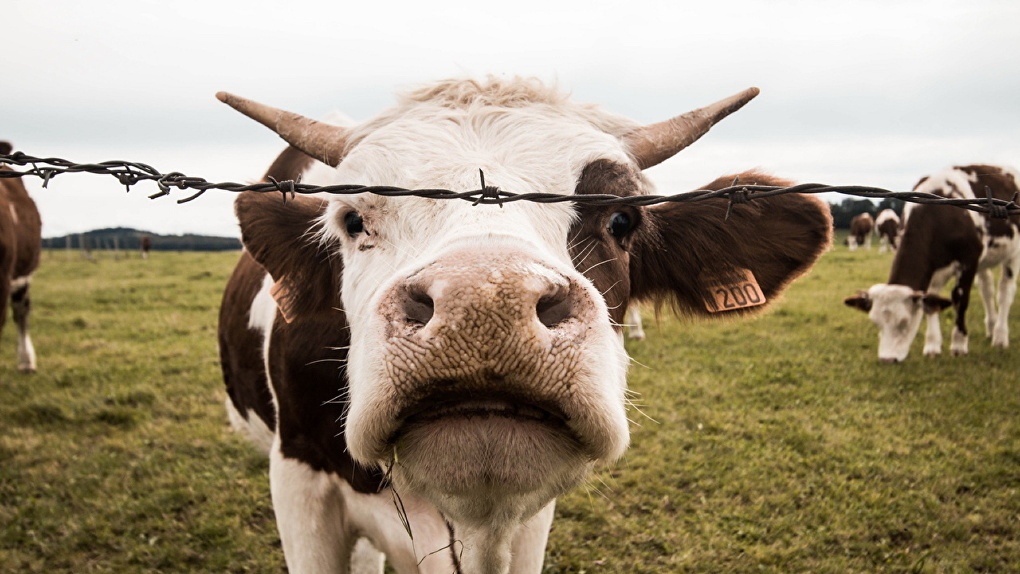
(524, 136)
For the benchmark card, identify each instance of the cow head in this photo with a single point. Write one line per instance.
(897, 311)
(485, 367)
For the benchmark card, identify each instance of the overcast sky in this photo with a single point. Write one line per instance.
(871, 93)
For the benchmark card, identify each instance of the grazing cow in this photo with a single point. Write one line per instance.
(20, 246)
(940, 242)
(860, 231)
(429, 375)
(887, 227)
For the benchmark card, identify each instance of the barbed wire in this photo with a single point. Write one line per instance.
(133, 173)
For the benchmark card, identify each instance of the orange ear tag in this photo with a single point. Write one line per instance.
(732, 291)
(283, 300)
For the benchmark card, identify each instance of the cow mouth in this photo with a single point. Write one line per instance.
(466, 405)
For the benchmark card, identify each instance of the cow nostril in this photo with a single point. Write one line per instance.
(418, 306)
(555, 308)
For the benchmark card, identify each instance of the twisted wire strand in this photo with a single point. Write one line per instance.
(132, 173)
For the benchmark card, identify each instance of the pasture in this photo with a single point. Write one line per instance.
(776, 444)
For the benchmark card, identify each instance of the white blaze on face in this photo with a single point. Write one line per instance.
(897, 311)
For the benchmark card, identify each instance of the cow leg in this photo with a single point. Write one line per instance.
(21, 304)
(961, 300)
(635, 329)
(309, 515)
(1007, 291)
(987, 288)
(933, 336)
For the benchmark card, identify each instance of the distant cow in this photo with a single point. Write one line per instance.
(860, 231)
(940, 242)
(887, 227)
(20, 246)
(632, 322)
(145, 243)
(430, 375)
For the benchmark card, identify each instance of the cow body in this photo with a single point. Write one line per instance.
(429, 375)
(887, 227)
(20, 247)
(940, 243)
(860, 231)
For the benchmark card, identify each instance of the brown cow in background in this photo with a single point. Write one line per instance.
(20, 244)
(860, 231)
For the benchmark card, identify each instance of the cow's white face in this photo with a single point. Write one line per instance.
(897, 311)
(430, 286)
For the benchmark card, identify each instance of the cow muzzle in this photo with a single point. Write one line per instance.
(498, 370)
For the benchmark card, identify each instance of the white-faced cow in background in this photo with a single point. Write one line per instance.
(940, 242)
(463, 358)
(887, 227)
(20, 246)
(860, 231)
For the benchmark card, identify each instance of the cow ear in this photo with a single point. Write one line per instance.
(282, 237)
(687, 252)
(934, 303)
(859, 301)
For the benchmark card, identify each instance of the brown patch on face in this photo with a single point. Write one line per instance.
(598, 254)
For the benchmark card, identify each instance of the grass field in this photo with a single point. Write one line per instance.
(777, 444)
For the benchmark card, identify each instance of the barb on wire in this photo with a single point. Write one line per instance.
(130, 173)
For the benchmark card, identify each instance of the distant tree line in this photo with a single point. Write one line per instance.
(125, 238)
(844, 211)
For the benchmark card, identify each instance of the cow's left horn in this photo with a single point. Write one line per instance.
(655, 143)
(320, 140)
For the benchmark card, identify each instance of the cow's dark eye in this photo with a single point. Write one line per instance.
(620, 224)
(353, 223)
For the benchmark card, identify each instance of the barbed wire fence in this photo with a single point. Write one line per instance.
(132, 173)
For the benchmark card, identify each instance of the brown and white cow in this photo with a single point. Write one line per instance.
(860, 231)
(940, 242)
(428, 375)
(20, 246)
(887, 227)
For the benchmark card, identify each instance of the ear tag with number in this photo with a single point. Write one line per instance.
(731, 291)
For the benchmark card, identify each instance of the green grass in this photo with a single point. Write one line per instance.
(777, 444)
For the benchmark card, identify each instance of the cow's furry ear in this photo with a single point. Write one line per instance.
(935, 304)
(684, 247)
(282, 236)
(859, 301)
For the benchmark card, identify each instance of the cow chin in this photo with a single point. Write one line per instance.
(477, 461)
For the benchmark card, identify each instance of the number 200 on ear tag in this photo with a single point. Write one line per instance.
(737, 290)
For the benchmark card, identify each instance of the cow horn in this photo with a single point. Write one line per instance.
(655, 143)
(320, 140)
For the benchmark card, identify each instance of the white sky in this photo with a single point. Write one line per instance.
(864, 92)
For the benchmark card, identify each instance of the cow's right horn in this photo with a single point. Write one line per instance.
(326, 143)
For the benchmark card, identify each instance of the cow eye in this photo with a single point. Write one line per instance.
(620, 223)
(353, 223)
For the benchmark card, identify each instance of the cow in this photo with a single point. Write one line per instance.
(860, 231)
(145, 245)
(20, 247)
(887, 227)
(940, 242)
(427, 376)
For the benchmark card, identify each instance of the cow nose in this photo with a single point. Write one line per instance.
(888, 360)
(418, 307)
(555, 307)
